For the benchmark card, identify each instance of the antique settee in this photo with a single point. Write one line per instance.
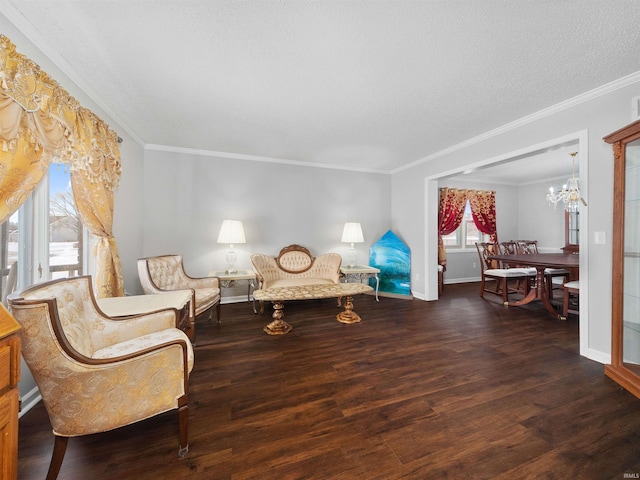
(293, 266)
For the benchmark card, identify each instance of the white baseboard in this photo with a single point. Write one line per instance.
(236, 299)
(597, 356)
(30, 400)
(462, 280)
(419, 296)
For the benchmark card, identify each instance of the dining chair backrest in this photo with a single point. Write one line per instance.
(485, 250)
(508, 248)
(525, 247)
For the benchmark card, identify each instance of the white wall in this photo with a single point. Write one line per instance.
(537, 220)
(187, 195)
(597, 114)
(127, 227)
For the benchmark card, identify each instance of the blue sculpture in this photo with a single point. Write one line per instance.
(393, 257)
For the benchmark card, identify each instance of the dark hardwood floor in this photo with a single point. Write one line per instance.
(461, 388)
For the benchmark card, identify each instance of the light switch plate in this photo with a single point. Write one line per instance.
(635, 108)
(599, 238)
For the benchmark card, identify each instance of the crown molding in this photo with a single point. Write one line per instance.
(559, 107)
(256, 158)
(18, 20)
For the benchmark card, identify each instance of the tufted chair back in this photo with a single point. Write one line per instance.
(296, 262)
(294, 259)
(95, 373)
(166, 273)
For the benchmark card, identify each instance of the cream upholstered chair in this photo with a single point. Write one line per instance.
(95, 373)
(166, 272)
(295, 265)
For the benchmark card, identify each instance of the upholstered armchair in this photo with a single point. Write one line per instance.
(166, 272)
(95, 373)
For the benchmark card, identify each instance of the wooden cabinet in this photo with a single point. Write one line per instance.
(9, 376)
(625, 312)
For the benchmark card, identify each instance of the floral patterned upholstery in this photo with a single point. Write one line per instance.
(166, 272)
(294, 266)
(96, 373)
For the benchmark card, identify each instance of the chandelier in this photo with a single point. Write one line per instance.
(570, 193)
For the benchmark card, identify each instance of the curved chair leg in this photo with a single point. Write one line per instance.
(218, 307)
(59, 449)
(183, 422)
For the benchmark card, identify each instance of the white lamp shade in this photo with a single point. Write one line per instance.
(352, 233)
(231, 232)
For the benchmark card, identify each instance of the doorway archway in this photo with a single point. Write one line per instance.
(431, 208)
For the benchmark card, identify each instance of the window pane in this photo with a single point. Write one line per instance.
(8, 255)
(65, 229)
(451, 240)
(473, 234)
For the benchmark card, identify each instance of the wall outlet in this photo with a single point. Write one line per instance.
(416, 276)
(475, 265)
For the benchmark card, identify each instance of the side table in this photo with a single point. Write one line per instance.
(230, 280)
(361, 272)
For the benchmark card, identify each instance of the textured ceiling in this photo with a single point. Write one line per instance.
(371, 85)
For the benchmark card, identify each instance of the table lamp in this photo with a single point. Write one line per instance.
(231, 232)
(352, 233)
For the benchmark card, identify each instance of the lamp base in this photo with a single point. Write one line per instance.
(351, 257)
(231, 262)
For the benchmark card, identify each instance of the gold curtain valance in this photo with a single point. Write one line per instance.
(38, 114)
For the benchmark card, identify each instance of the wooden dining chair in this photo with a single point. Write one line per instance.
(554, 277)
(570, 296)
(492, 270)
(524, 247)
(521, 285)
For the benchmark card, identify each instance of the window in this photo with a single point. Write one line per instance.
(8, 255)
(45, 236)
(65, 228)
(467, 233)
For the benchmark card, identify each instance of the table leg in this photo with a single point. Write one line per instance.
(539, 292)
(278, 326)
(377, 286)
(251, 286)
(348, 316)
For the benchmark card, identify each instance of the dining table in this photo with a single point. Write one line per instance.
(539, 290)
